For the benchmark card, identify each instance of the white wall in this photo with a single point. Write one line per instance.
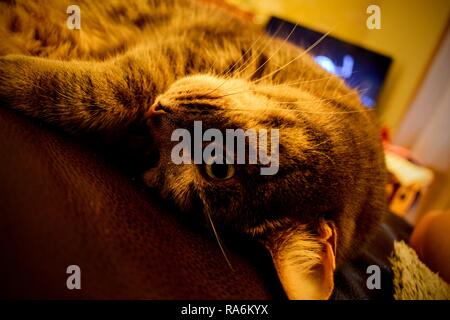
(425, 128)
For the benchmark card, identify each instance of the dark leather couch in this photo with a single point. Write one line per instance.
(63, 203)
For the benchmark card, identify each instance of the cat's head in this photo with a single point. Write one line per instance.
(287, 201)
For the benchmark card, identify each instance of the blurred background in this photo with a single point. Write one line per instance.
(405, 65)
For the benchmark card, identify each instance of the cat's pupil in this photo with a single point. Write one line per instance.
(220, 171)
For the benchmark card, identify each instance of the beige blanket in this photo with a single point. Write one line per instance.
(413, 280)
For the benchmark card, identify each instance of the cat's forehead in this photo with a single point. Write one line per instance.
(242, 100)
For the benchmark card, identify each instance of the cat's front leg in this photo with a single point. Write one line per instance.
(76, 96)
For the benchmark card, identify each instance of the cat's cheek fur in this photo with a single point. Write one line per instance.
(176, 183)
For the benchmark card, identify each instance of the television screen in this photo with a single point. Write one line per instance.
(361, 68)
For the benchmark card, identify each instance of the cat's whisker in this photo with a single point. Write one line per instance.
(250, 109)
(325, 88)
(323, 154)
(219, 241)
(319, 144)
(275, 52)
(230, 69)
(233, 93)
(281, 84)
(244, 67)
(331, 76)
(303, 81)
(330, 112)
(323, 99)
(261, 44)
(295, 59)
(238, 71)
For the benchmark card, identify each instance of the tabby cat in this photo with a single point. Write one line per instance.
(161, 65)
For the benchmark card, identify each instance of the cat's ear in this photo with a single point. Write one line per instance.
(305, 262)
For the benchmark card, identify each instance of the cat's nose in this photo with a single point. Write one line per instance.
(154, 111)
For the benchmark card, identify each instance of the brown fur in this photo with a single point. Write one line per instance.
(130, 55)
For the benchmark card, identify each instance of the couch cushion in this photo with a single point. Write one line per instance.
(63, 204)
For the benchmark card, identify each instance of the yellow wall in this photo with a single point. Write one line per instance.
(411, 31)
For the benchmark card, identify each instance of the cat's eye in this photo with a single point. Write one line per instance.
(220, 171)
